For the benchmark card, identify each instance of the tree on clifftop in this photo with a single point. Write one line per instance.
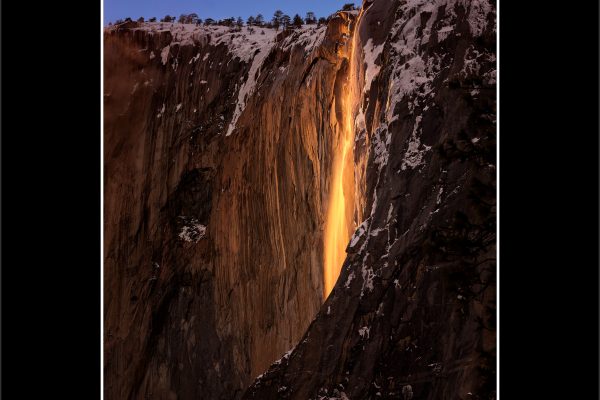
(259, 20)
(277, 19)
(188, 18)
(298, 21)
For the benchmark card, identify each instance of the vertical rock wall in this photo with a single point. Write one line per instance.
(412, 315)
(217, 150)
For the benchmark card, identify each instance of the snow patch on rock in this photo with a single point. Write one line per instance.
(367, 275)
(349, 280)
(192, 230)
(415, 150)
(309, 37)
(371, 52)
(164, 54)
(244, 44)
(380, 145)
(359, 233)
(285, 356)
(438, 200)
(364, 332)
(249, 85)
(390, 212)
(161, 111)
(195, 58)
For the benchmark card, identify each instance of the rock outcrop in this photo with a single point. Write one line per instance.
(218, 153)
(412, 315)
(217, 165)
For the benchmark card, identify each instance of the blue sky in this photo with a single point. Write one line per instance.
(217, 9)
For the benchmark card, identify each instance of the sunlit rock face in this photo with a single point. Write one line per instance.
(412, 315)
(218, 151)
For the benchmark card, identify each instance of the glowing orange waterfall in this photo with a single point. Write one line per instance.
(338, 226)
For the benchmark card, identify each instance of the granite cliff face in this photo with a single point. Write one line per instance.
(216, 179)
(219, 153)
(412, 315)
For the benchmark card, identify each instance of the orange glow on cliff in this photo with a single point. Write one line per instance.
(339, 225)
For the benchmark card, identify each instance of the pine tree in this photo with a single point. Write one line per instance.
(277, 17)
(192, 18)
(259, 20)
(298, 21)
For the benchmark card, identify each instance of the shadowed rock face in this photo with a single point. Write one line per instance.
(218, 156)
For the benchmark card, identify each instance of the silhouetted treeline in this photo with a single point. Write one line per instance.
(279, 20)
